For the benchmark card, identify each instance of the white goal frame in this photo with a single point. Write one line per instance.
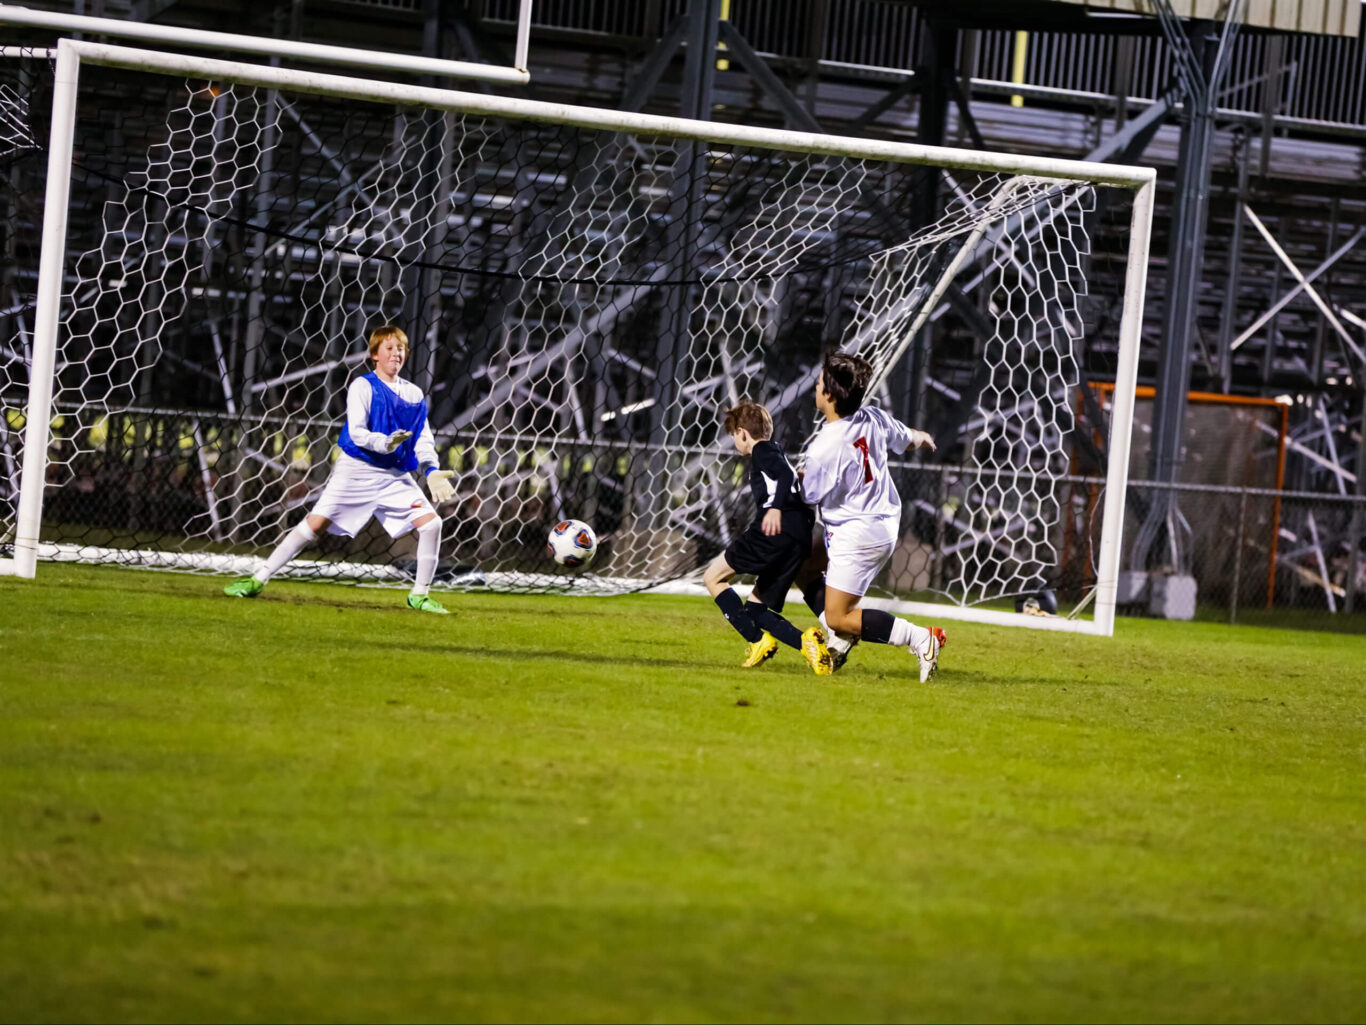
(379, 61)
(71, 54)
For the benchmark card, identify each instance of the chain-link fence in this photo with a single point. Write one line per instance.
(1230, 539)
(1258, 555)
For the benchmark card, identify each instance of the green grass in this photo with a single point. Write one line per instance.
(318, 805)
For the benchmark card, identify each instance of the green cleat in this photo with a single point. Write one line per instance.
(247, 587)
(423, 603)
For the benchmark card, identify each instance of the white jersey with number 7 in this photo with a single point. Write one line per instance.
(846, 467)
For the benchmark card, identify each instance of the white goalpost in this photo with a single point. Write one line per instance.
(380, 61)
(584, 290)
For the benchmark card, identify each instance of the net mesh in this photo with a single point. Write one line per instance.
(581, 305)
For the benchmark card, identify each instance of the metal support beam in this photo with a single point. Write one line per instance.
(647, 78)
(1235, 267)
(1358, 521)
(1271, 98)
(938, 41)
(893, 96)
(428, 225)
(795, 113)
(1324, 308)
(148, 10)
(687, 195)
(1284, 300)
(1199, 60)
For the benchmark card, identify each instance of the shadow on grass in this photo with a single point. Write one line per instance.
(626, 660)
(971, 678)
(364, 602)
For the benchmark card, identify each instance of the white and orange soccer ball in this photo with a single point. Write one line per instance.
(572, 543)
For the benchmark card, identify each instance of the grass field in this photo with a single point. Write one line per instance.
(318, 805)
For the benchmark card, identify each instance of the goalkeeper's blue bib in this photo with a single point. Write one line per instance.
(389, 413)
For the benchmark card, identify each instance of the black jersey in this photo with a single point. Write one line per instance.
(774, 486)
(773, 561)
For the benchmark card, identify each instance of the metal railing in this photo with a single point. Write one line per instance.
(154, 486)
(1316, 78)
(1258, 555)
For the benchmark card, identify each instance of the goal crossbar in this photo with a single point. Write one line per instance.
(514, 108)
(175, 35)
(71, 54)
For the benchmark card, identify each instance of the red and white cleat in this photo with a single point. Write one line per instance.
(927, 652)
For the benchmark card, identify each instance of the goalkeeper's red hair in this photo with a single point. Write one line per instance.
(380, 335)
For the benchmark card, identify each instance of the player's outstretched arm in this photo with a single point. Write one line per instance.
(920, 439)
(901, 437)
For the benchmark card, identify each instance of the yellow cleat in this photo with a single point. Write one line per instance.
(760, 651)
(815, 652)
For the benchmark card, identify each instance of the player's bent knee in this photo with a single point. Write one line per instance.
(427, 524)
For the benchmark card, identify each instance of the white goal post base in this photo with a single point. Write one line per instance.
(580, 584)
(304, 570)
(925, 612)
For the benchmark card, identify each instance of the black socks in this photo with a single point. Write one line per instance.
(733, 609)
(766, 619)
(877, 626)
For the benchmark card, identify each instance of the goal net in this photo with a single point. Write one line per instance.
(584, 293)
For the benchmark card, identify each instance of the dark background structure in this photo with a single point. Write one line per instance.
(1257, 282)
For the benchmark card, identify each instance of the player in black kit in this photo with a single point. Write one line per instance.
(772, 549)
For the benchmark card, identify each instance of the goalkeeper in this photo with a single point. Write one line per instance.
(774, 547)
(384, 439)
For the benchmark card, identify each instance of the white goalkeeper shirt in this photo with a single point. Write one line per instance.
(846, 472)
(358, 397)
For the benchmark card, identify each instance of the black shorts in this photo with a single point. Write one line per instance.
(773, 560)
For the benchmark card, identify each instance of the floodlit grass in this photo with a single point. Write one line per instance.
(318, 805)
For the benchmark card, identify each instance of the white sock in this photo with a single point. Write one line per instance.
(295, 542)
(428, 544)
(834, 640)
(914, 635)
(902, 630)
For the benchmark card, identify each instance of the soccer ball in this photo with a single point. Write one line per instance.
(572, 543)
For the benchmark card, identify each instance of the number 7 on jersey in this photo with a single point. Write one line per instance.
(862, 445)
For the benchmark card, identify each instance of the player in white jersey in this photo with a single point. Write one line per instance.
(847, 478)
(385, 438)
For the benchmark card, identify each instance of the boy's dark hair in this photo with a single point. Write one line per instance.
(846, 380)
(749, 416)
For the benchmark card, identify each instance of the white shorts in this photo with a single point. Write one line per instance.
(356, 491)
(858, 550)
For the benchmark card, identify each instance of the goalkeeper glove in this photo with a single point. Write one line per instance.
(439, 486)
(396, 439)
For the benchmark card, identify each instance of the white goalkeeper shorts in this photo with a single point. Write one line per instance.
(356, 491)
(857, 551)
